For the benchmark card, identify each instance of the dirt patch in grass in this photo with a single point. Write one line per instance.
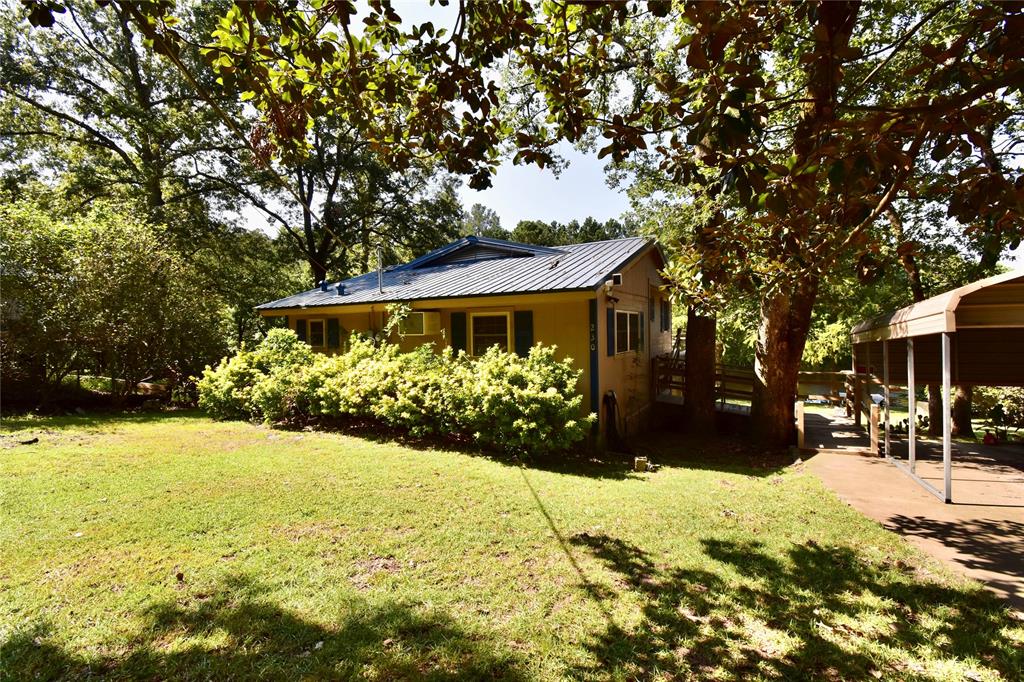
(331, 531)
(46, 438)
(368, 569)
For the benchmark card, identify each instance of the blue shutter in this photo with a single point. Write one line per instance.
(333, 333)
(523, 320)
(300, 329)
(640, 344)
(458, 331)
(594, 382)
(611, 331)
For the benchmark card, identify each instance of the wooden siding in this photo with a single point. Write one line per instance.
(629, 374)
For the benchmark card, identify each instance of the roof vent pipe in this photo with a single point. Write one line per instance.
(341, 289)
(380, 269)
(323, 285)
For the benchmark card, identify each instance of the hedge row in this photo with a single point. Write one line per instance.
(503, 401)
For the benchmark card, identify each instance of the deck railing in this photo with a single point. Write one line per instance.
(737, 383)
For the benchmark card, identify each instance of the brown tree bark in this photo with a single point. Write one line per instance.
(785, 322)
(786, 313)
(962, 426)
(913, 270)
(699, 383)
(934, 410)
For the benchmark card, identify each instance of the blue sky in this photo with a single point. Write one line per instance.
(527, 192)
(530, 193)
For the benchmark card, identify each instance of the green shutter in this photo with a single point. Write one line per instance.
(640, 345)
(458, 332)
(611, 331)
(286, 325)
(333, 333)
(524, 332)
(300, 329)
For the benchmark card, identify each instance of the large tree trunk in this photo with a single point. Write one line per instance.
(699, 384)
(962, 412)
(934, 410)
(785, 321)
(318, 271)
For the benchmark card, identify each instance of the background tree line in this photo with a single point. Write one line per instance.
(484, 222)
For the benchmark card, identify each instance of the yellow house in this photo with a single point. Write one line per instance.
(603, 304)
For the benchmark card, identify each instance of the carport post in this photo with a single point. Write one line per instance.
(911, 405)
(947, 420)
(885, 392)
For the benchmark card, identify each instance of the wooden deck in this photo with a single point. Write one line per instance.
(734, 386)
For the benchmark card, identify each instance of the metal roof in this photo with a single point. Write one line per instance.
(993, 302)
(525, 269)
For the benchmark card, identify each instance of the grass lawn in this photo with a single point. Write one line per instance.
(169, 546)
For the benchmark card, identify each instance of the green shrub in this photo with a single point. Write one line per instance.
(1002, 406)
(525, 405)
(243, 386)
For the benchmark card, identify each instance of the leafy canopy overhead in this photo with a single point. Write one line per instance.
(809, 116)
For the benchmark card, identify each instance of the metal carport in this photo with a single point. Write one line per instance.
(972, 336)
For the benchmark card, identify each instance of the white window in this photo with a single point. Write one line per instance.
(420, 323)
(627, 331)
(316, 333)
(489, 329)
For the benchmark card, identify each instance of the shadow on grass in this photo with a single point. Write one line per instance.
(711, 452)
(664, 448)
(96, 419)
(239, 634)
(814, 614)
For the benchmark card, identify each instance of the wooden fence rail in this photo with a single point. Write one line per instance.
(737, 383)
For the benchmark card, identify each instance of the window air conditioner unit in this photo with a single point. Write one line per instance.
(421, 323)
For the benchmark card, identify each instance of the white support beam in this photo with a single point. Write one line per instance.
(911, 406)
(885, 393)
(947, 419)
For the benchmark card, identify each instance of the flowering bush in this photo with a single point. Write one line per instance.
(502, 401)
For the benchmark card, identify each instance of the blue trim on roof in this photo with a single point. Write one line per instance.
(472, 240)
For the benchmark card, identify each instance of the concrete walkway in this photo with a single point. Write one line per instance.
(981, 534)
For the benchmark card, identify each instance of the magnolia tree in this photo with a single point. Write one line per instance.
(791, 126)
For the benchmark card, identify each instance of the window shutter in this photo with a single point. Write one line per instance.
(524, 332)
(286, 325)
(333, 333)
(611, 331)
(640, 345)
(458, 331)
(300, 329)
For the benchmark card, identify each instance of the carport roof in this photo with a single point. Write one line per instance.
(995, 302)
